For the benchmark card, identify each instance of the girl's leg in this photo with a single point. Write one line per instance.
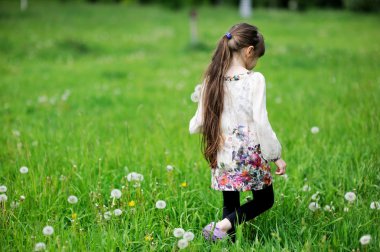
(262, 201)
(231, 202)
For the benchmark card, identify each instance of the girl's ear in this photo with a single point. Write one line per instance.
(251, 50)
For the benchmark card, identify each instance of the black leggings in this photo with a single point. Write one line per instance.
(236, 214)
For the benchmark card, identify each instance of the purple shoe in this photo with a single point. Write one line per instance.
(217, 234)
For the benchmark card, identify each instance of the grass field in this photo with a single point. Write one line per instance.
(90, 94)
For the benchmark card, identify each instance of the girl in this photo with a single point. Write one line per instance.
(237, 139)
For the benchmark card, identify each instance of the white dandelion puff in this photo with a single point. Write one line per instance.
(40, 246)
(160, 204)
(198, 88)
(22, 198)
(3, 188)
(107, 215)
(306, 188)
(116, 193)
(183, 243)
(169, 167)
(48, 230)
(313, 206)
(365, 239)
(315, 196)
(178, 232)
(3, 197)
(134, 176)
(24, 169)
(117, 212)
(72, 199)
(314, 130)
(350, 197)
(188, 236)
(375, 205)
(328, 208)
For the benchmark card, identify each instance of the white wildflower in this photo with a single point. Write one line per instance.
(117, 212)
(178, 232)
(365, 239)
(306, 188)
(375, 205)
(72, 199)
(134, 176)
(22, 198)
(3, 188)
(313, 206)
(160, 204)
(107, 215)
(116, 193)
(350, 197)
(40, 246)
(314, 130)
(198, 88)
(183, 243)
(315, 196)
(3, 197)
(48, 230)
(24, 169)
(329, 208)
(169, 167)
(188, 236)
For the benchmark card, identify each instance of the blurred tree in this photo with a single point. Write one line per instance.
(362, 5)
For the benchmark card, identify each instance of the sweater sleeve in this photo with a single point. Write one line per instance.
(269, 144)
(195, 125)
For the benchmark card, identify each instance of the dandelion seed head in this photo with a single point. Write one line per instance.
(350, 197)
(178, 232)
(3, 197)
(116, 193)
(72, 199)
(40, 246)
(160, 204)
(22, 198)
(183, 243)
(365, 239)
(314, 130)
(48, 230)
(188, 236)
(315, 196)
(169, 168)
(107, 215)
(3, 189)
(306, 188)
(313, 206)
(117, 212)
(24, 169)
(375, 205)
(134, 176)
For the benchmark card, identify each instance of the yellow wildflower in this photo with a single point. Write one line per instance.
(74, 216)
(131, 203)
(183, 184)
(148, 237)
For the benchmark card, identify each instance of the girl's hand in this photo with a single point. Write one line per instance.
(281, 166)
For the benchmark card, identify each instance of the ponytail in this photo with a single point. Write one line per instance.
(213, 101)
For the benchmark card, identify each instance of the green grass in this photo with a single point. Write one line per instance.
(130, 72)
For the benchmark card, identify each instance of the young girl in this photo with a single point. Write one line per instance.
(237, 139)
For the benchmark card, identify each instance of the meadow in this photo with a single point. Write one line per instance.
(97, 97)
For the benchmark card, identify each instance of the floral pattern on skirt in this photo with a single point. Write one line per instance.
(248, 170)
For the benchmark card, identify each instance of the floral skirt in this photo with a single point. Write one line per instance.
(248, 170)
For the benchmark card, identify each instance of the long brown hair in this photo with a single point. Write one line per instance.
(242, 35)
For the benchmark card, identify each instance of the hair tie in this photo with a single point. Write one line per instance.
(228, 35)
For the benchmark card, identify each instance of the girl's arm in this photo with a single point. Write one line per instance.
(270, 146)
(195, 125)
